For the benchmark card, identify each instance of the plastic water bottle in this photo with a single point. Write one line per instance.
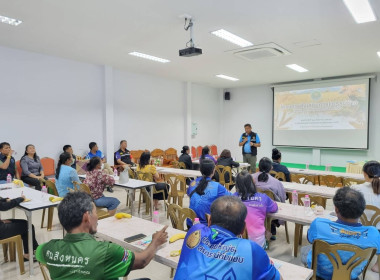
(156, 217)
(44, 189)
(306, 204)
(115, 172)
(294, 198)
(307, 165)
(9, 178)
(196, 221)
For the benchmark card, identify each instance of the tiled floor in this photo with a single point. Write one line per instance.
(278, 249)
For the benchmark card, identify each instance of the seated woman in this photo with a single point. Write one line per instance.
(371, 191)
(98, 180)
(258, 205)
(185, 157)
(145, 167)
(12, 227)
(206, 154)
(65, 175)
(277, 166)
(7, 163)
(32, 171)
(225, 159)
(203, 191)
(265, 182)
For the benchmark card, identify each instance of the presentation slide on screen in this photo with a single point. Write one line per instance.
(331, 114)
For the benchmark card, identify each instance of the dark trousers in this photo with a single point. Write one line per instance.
(32, 182)
(18, 227)
(160, 186)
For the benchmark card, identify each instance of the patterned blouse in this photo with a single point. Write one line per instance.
(97, 181)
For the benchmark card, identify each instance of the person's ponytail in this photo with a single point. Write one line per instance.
(207, 167)
(62, 160)
(372, 169)
(265, 166)
(376, 185)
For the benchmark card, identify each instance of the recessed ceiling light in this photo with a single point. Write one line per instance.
(221, 33)
(150, 57)
(297, 68)
(378, 53)
(10, 21)
(361, 10)
(227, 77)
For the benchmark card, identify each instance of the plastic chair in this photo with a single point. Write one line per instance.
(52, 190)
(48, 165)
(13, 243)
(170, 155)
(178, 215)
(330, 181)
(194, 152)
(268, 220)
(199, 151)
(99, 210)
(347, 182)
(157, 153)
(214, 150)
(302, 179)
(44, 271)
(278, 175)
(222, 171)
(374, 220)
(136, 154)
(340, 270)
(174, 181)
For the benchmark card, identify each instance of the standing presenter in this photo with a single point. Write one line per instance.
(249, 141)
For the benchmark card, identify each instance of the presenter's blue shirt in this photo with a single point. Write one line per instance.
(340, 232)
(214, 253)
(201, 204)
(97, 154)
(247, 146)
(67, 175)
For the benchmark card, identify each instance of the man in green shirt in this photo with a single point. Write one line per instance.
(79, 256)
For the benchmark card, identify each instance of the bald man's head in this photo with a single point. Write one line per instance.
(229, 212)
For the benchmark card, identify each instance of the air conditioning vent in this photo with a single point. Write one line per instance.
(261, 51)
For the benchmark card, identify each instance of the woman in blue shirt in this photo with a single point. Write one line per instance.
(65, 174)
(205, 154)
(203, 191)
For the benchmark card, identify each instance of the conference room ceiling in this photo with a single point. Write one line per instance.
(104, 32)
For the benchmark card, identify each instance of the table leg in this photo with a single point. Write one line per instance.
(151, 203)
(13, 213)
(30, 241)
(133, 194)
(297, 231)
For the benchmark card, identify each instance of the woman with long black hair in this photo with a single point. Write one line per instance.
(65, 175)
(185, 157)
(206, 155)
(32, 171)
(258, 205)
(203, 191)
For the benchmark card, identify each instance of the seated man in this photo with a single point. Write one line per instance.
(349, 206)
(215, 251)
(79, 256)
(95, 152)
(69, 149)
(7, 163)
(123, 156)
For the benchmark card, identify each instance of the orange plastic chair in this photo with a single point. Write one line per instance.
(18, 166)
(214, 150)
(48, 165)
(194, 152)
(199, 151)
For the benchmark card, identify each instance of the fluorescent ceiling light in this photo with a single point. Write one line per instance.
(10, 21)
(378, 53)
(297, 68)
(150, 57)
(227, 77)
(361, 10)
(221, 33)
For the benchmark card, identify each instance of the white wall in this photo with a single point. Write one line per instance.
(149, 111)
(49, 102)
(254, 105)
(205, 112)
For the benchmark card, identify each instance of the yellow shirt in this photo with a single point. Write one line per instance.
(147, 169)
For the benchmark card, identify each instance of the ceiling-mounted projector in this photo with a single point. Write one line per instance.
(191, 50)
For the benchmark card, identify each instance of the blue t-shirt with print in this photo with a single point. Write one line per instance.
(247, 146)
(214, 253)
(201, 204)
(97, 154)
(340, 232)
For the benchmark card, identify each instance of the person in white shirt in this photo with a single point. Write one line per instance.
(371, 191)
